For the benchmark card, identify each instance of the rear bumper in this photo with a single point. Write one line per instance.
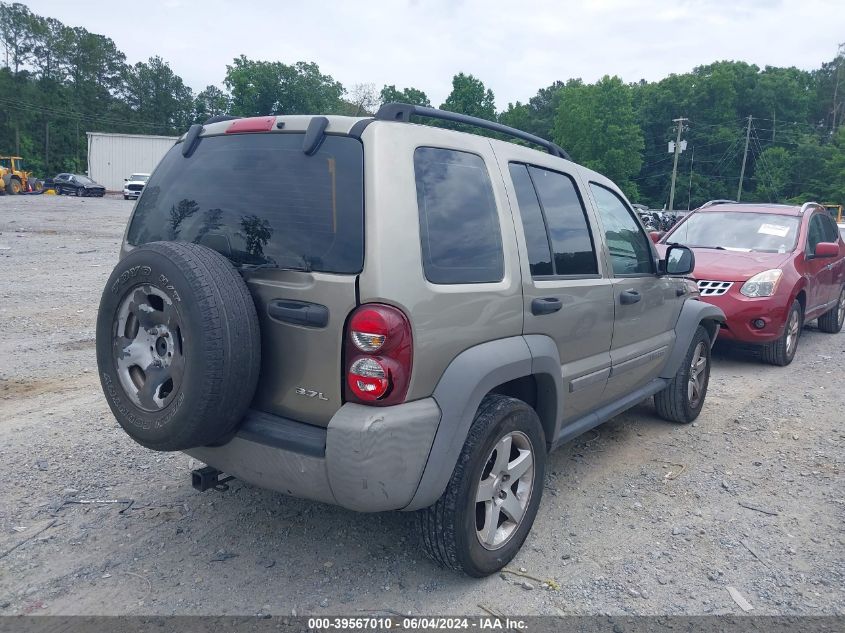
(741, 311)
(368, 459)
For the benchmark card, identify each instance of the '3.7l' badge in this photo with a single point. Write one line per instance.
(310, 393)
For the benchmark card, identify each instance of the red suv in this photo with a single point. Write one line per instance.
(771, 268)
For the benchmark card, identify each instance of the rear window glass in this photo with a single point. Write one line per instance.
(459, 225)
(259, 200)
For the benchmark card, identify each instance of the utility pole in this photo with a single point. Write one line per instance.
(744, 158)
(691, 163)
(47, 145)
(840, 60)
(680, 122)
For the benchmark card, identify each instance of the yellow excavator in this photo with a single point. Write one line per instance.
(15, 179)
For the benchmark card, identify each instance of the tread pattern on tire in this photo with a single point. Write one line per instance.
(436, 523)
(228, 315)
(775, 353)
(671, 403)
(829, 321)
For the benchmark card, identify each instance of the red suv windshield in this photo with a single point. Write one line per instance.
(738, 231)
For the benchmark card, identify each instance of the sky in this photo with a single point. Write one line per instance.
(515, 47)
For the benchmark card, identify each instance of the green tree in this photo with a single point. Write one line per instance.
(261, 87)
(469, 96)
(390, 94)
(210, 102)
(16, 34)
(538, 115)
(773, 169)
(597, 125)
(158, 96)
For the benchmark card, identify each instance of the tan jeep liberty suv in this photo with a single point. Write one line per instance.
(385, 315)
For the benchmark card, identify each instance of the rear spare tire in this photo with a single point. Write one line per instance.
(178, 345)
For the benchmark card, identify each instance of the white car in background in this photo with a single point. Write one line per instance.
(134, 185)
(841, 226)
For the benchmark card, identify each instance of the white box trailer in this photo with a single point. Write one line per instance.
(113, 157)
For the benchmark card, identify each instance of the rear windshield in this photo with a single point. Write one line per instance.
(259, 200)
(738, 231)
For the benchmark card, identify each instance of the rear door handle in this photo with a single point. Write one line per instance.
(545, 305)
(627, 297)
(299, 313)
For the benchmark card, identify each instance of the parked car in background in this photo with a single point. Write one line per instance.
(134, 185)
(77, 185)
(771, 268)
(841, 230)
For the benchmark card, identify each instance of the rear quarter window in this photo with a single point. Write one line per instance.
(259, 200)
(460, 233)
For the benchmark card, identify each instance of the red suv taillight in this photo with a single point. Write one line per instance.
(379, 352)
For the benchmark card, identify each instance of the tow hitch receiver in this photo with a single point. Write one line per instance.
(209, 477)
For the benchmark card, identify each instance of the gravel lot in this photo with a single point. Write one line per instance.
(638, 517)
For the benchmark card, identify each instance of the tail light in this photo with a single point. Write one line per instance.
(379, 352)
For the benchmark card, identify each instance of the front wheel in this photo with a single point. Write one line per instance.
(490, 503)
(832, 320)
(79, 192)
(782, 351)
(681, 401)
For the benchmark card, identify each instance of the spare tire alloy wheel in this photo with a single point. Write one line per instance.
(178, 346)
(148, 348)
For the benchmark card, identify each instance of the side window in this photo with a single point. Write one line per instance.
(816, 234)
(831, 231)
(566, 223)
(459, 225)
(533, 224)
(630, 251)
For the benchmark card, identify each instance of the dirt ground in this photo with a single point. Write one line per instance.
(638, 517)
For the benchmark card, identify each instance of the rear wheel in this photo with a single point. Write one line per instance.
(832, 320)
(14, 187)
(681, 401)
(489, 506)
(782, 351)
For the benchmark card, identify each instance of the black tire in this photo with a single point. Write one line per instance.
(449, 528)
(37, 185)
(79, 192)
(832, 320)
(782, 351)
(682, 400)
(125, 197)
(14, 187)
(190, 300)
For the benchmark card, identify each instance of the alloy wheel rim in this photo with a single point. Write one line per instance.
(792, 333)
(148, 348)
(841, 314)
(504, 490)
(697, 374)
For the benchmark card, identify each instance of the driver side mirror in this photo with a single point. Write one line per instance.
(826, 249)
(680, 260)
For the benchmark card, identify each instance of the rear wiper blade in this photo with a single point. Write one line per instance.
(715, 248)
(304, 267)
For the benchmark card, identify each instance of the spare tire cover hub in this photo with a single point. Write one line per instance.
(147, 347)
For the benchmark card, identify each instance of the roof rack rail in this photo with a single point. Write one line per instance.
(404, 111)
(711, 203)
(807, 205)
